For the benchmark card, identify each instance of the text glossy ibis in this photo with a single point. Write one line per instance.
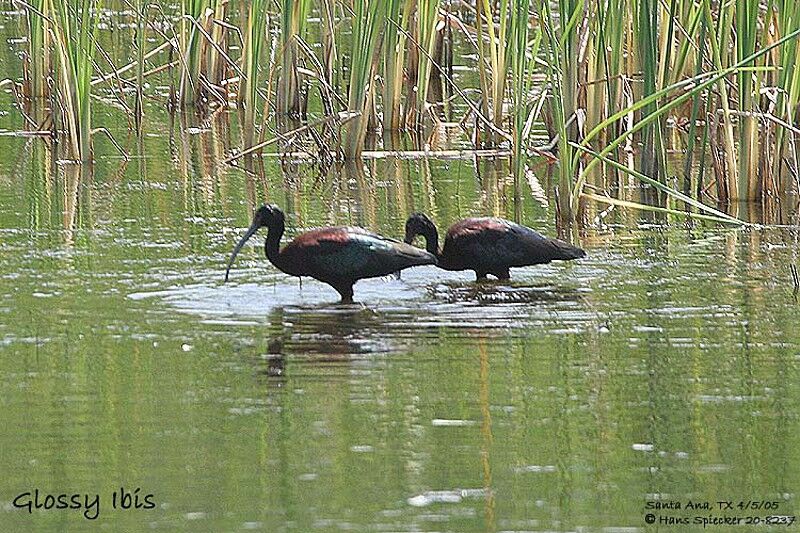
(488, 245)
(338, 256)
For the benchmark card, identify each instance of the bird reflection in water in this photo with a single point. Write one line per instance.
(326, 337)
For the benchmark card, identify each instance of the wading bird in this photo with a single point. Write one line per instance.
(338, 256)
(488, 245)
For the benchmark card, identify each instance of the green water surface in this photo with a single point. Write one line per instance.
(663, 365)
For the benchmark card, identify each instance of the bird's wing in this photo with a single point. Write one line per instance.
(475, 238)
(357, 253)
(529, 247)
(495, 240)
(524, 246)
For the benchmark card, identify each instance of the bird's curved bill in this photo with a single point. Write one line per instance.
(250, 232)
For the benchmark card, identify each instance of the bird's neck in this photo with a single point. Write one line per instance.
(273, 243)
(432, 246)
(432, 242)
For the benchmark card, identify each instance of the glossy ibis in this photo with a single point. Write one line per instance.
(488, 245)
(338, 256)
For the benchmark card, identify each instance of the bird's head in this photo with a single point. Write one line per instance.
(268, 216)
(420, 224)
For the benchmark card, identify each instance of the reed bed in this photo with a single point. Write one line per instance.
(631, 94)
(641, 92)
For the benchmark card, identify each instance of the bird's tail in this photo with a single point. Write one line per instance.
(416, 255)
(565, 252)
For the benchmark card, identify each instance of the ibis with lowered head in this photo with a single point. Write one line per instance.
(338, 256)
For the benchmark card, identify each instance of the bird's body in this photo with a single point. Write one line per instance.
(338, 256)
(489, 245)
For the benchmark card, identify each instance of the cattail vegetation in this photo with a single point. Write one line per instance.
(676, 105)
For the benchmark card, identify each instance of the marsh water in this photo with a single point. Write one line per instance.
(664, 365)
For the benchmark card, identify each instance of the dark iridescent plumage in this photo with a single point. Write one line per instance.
(488, 245)
(338, 256)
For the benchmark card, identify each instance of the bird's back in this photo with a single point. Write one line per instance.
(349, 253)
(492, 243)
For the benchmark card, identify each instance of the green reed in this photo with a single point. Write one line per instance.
(369, 21)
(494, 53)
(140, 38)
(427, 17)
(38, 57)
(523, 55)
(256, 36)
(746, 16)
(561, 50)
(74, 40)
(191, 48)
(294, 15)
(647, 42)
(399, 14)
(328, 38)
(787, 79)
